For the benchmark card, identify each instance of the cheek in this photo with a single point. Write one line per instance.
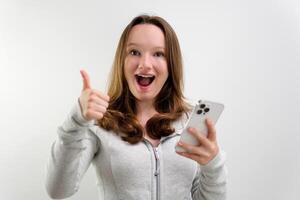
(131, 62)
(128, 68)
(163, 70)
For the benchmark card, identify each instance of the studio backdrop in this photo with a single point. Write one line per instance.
(243, 53)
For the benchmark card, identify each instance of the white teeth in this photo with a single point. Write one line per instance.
(146, 76)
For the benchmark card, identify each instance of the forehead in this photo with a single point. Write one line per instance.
(146, 35)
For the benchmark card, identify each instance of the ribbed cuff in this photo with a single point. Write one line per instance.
(75, 120)
(217, 162)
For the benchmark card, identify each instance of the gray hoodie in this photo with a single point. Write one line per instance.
(129, 172)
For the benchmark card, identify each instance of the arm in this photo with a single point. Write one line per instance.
(71, 155)
(210, 181)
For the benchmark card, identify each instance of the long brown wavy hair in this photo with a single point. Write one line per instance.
(170, 104)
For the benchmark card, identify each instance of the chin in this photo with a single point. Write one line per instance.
(144, 97)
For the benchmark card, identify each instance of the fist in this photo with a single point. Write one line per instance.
(93, 103)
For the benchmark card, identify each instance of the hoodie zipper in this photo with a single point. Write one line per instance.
(157, 163)
(157, 172)
(157, 167)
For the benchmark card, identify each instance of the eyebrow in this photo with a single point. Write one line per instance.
(136, 44)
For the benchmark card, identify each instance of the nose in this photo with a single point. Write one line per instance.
(145, 62)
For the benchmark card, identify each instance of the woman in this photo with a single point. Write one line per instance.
(130, 134)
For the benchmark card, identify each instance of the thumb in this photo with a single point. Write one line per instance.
(85, 79)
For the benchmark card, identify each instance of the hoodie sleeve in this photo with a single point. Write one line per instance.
(71, 155)
(210, 181)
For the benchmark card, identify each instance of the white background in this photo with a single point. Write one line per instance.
(243, 53)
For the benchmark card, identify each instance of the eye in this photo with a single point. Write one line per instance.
(134, 52)
(159, 54)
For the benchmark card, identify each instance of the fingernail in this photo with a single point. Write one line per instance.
(209, 121)
(178, 152)
(191, 129)
(179, 144)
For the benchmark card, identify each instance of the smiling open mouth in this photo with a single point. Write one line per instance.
(144, 80)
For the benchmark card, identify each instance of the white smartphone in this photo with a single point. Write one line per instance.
(202, 110)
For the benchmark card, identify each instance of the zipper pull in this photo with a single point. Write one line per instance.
(156, 173)
(156, 153)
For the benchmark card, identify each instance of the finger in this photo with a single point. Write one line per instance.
(188, 155)
(197, 158)
(91, 114)
(96, 99)
(96, 107)
(212, 135)
(197, 150)
(100, 95)
(199, 136)
(86, 80)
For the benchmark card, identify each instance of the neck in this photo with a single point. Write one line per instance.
(145, 110)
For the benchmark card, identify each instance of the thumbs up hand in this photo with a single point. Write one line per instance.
(93, 103)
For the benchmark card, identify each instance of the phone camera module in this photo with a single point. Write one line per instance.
(202, 105)
(199, 112)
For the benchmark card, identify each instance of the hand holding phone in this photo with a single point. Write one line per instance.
(201, 111)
